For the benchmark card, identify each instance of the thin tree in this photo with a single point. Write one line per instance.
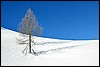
(28, 28)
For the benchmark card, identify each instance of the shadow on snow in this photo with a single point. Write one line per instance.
(55, 50)
(45, 43)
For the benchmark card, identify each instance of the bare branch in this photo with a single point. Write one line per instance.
(33, 42)
(23, 43)
(25, 49)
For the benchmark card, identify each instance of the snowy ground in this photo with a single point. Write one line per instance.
(50, 52)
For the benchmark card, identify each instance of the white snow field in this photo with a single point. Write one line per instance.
(50, 52)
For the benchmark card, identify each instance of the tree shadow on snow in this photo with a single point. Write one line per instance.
(36, 43)
(55, 50)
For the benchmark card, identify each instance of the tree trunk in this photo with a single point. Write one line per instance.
(29, 35)
(29, 43)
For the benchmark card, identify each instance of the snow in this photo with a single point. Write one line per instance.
(50, 52)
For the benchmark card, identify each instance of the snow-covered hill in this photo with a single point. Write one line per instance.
(50, 52)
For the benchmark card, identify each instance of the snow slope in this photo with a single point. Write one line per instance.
(50, 52)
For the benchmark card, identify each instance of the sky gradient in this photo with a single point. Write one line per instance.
(59, 19)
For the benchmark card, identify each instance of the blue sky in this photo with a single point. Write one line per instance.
(59, 19)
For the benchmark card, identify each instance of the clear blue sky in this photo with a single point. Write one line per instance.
(59, 19)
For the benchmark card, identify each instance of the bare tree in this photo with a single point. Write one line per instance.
(28, 28)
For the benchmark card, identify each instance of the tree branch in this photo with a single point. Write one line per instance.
(23, 43)
(33, 42)
(25, 49)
